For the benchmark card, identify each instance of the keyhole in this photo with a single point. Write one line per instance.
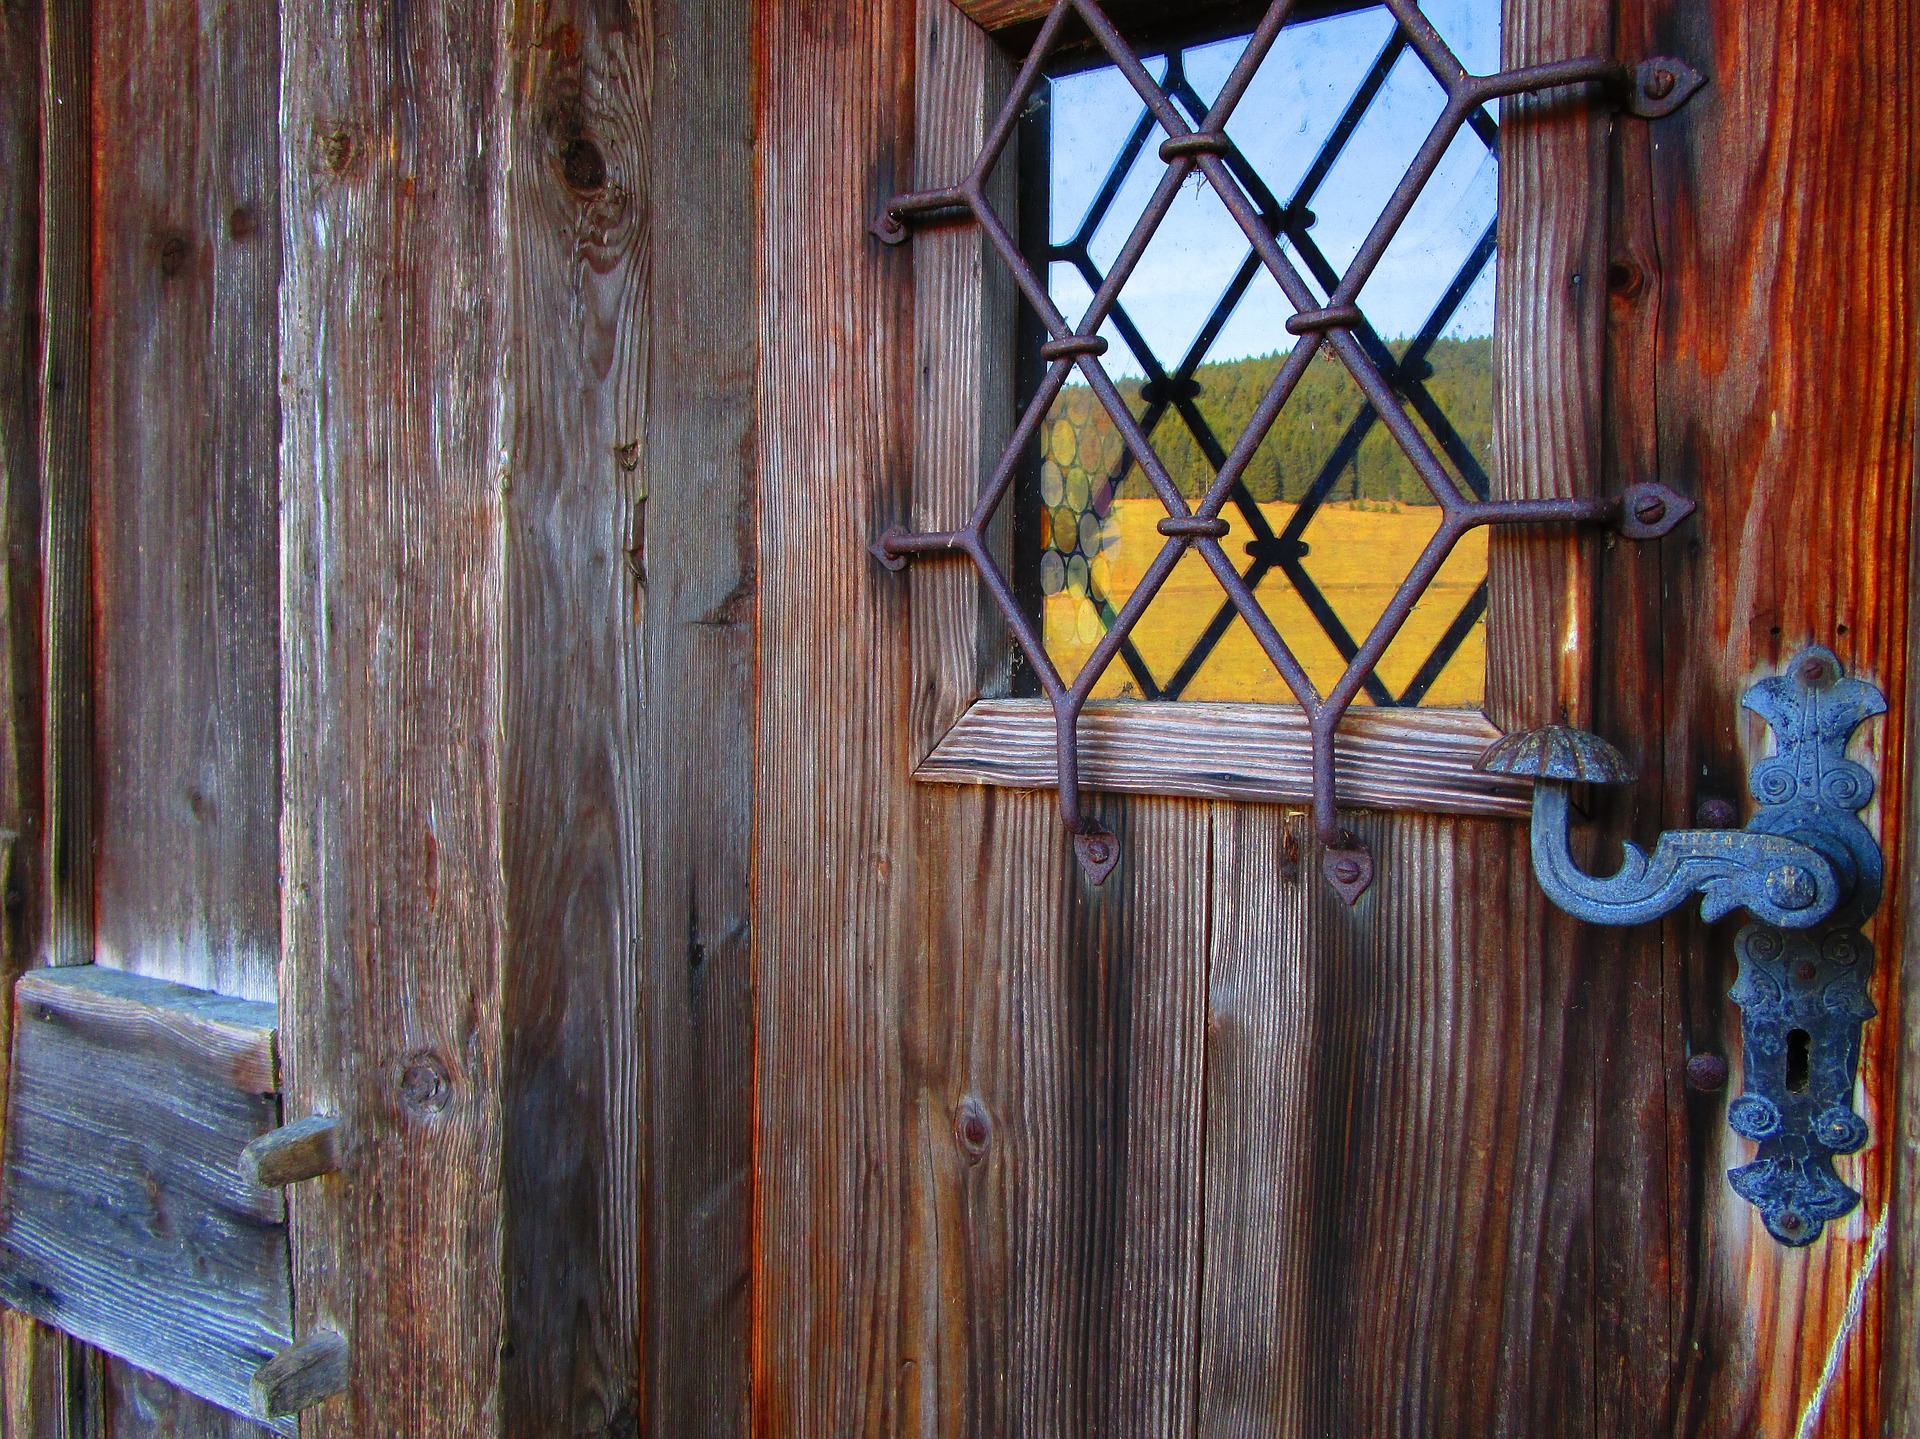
(1799, 1043)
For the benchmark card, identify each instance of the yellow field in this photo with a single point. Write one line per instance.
(1357, 558)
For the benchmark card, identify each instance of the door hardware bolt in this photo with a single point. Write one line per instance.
(1716, 814)
(1660, 83)
(1707, 1073)
(1650, 509)
(1346, 870)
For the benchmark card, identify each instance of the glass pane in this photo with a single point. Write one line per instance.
(1330, 514)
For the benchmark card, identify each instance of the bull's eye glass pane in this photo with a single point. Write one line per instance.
(1330, 515)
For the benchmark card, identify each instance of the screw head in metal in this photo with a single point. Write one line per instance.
(1650, 509)
(1346, 870)
(1707, 1073)
(1716, 814)
(1660, 83)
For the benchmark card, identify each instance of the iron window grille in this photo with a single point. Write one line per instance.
(1200, 144)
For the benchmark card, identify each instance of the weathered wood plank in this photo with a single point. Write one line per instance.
(966, 336)
(127, 1221)
(1397, 1143)
(184, 433)
(1054, 1040)
(393, 333)
(1784, 220)
(698, 581)
(574, 710)
(834, 865)
(21, 54)
(66, 894)
(39, 1395)
(1389, 758)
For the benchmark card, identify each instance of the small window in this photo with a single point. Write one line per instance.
(1329, 515)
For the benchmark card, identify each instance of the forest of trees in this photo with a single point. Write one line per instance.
(1082, 445)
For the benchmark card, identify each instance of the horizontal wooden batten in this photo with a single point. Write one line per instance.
(1389, 759)
(127, 1218)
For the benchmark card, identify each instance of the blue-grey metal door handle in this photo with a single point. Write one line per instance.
(1808, 871)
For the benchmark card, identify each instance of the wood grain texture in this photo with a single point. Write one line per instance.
(1783, 219)
(21, 672)
(1054, 1041)
(966, 339)
(1550, 341)
(1389, 759)
(184, 425)
(394, 337)
(834, 867)
(303, 1374)
(697, 590)
(1397, 1137)
(40, 1393)
(66, 889)
(127, 1221)
(576, 770)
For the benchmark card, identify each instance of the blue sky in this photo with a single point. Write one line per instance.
(1293, 103)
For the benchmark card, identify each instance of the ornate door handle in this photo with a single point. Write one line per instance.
(1808, 871)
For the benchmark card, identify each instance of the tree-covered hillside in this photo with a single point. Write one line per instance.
(1081, 438)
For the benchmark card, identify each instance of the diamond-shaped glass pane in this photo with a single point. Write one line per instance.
(1329, 514)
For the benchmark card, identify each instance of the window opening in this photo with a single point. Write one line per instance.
(1320, 319)
(1329, 514)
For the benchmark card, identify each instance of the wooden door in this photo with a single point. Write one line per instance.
(1203, 1150)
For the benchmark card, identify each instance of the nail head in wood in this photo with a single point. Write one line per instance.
(299, 1377)
(305, 1149)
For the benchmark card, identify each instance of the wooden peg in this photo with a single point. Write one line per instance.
(304, 1149)
(299, 1377)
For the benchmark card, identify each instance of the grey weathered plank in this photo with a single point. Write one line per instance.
(184, 421)
(574, 773)
(393, 336)
(697, 583)
(127, 1221)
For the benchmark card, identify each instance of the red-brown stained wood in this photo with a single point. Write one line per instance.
(394, 331)
(1783, 202)
(185, 445)
(37, 1374)
(694, 485)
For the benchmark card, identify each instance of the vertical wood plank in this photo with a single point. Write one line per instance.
(185, 446)
(834, 863)
(66, 226)
(393, 330)
(21, 56)
(37, 1390)
(1782, 214)
(1054, 1045)
(696, 587)
(1398, 1139)
(574, 767)
(40, 1396)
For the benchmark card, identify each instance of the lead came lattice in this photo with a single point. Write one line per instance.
(1645, 511)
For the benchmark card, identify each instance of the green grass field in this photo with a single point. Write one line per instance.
(1359, 554)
